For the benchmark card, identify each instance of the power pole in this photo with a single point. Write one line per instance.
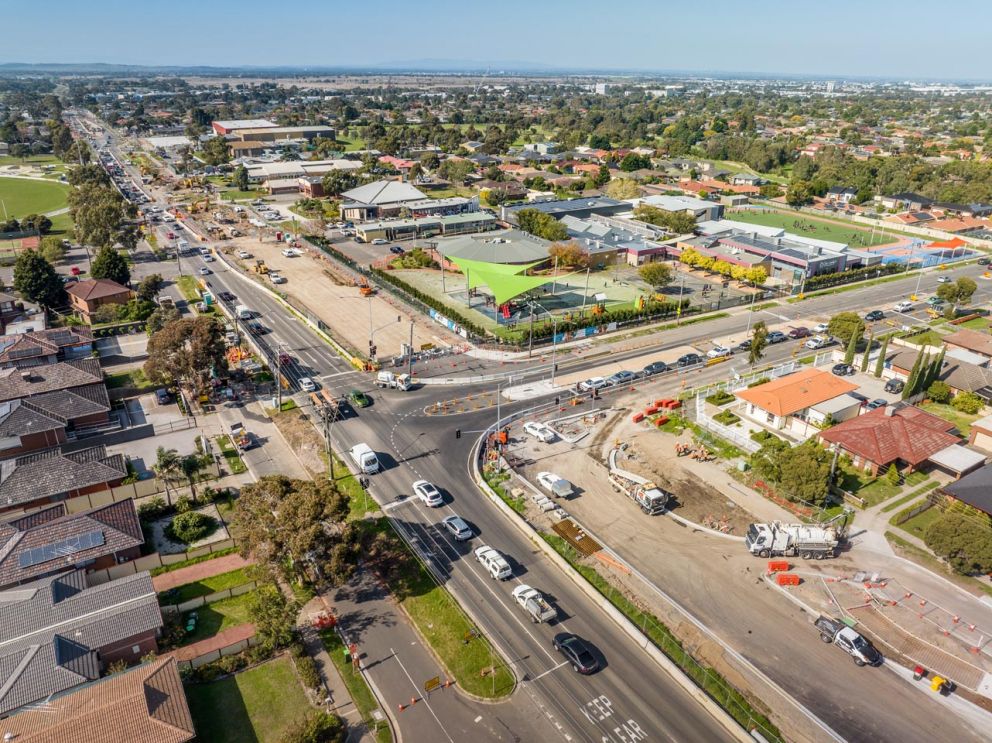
(409, 356)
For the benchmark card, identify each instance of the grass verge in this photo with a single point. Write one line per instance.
(255, 706)
(133, 378)
(231, 456)
(192, 561)
(912, 496)
(735, 703)
(910, 551)
(358, 689)
(187, 285)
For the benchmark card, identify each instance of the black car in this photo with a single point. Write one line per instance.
(396, 250)
(984, 260)
(776, 336)
(874, 315)
(576, 653)
(689, 359)
(226, 296)
(894, 386)
(655, 367)
(842, 370)
(876, 403)
(743, 345)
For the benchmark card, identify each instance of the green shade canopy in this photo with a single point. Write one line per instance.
(503, 279)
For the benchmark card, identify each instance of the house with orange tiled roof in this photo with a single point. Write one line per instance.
(799, 403)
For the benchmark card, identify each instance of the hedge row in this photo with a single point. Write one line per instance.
(856, 274)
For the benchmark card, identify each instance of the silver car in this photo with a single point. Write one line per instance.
(458, 528)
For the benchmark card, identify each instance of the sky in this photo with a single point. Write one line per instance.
(907, 39)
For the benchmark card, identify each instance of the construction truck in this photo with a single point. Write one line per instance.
(260, 267)
(809, 541)
(396, 381)
(647, 495)
(327, 404)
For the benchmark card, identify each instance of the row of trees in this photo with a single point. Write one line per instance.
(678, 223)
(541, 225)
(755, 275)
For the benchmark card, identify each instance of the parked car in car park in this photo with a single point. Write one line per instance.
(874, 315)
(894, 386)
(821, 328)
(621, 377)
(903, 306)
(593, 383)
(799, 332)
(655, 367)
(876, 403)
(776, 336)
(718, 352)
(380, 241)
(744, 345)
(818, 341)
(689, 359)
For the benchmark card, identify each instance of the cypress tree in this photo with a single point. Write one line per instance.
(933, 373)
(880, 364)
(913, 378)
(852, 347)
(864, 359)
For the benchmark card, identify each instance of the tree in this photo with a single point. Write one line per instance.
(939, 392)
(967, 402)
(190, 466)
(337, 182)
(759, 340)
(602, 176)
(680, 223)
(37, 281)
(880, 363)
(38, 223)
(623, 188)
(52, 249)
(632, 161)
(912, 381)
(852, 348)
(799, 193)
(316, 727)
(190, 527)
(805, 473)
(166, 465)
(958, 292)
(456, 170)
(934, 370)
(241, 178)
(964, 539)
(542, 225)
(187, 350)
(273, 615)
(756, 275)
(843, 325)
(864, 358)
(88, 174)
(568, 254)
(160, 317)
(656, 274)
(892, 475)
(599, 142)
(109, 264)
(102, 217)
(149, 287)
(216, 151)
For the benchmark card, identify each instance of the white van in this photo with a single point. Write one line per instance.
(364, 458)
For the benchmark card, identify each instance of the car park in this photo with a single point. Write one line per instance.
(876, 403)
(593, 383)
(655, 367)
(874, 315)
(307, 384)
(458, 528)
(539, 431)
(359, 399)
(799, 332)
(776, 336)
(428, 493)
(689, 359)
(621, 377)
(842, 370)
(575, 652)
(894, 386)
(903, 306)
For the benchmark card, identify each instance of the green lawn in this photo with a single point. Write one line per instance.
(21, 196)
(880, 489)
(254, 706)
(220, 615)
(132, 378)
(30, 160)
(360, 693)
(189, 287)
(207, 586)
(961, 421)
(926, 338)
(976, 323)
(909, 497)
(235, 195)
(230, 452)
(918, 525)
(736, 167)
(820, 229)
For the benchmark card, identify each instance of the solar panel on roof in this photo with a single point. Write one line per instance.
(61, 548)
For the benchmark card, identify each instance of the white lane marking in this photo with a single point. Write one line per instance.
(477, 719)
(424, 698)
(555, 668)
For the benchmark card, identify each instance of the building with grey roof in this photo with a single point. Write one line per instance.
(45, 346)
(48, 476)
(57, 633)
(611, 237)
(378, 199)
(51, 540)
(581, 208)
(508, 246)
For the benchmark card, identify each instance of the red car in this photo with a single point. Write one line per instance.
(799, 332)
(171, 235)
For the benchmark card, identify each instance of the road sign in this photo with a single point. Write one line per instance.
(432, 684)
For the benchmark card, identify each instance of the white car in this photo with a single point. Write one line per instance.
(593, 383)
(428, 493)
(307, 385)
(244, 254)
(380, 241)
(205, 271)
(208, 259)
(548, 480)
(539, 431)
(277, 279)
(821, 327)
(718, 352)
(289, 252)
(818, 341)
(944, 280)
(903, 306)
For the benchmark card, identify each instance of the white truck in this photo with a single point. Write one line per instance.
(366, 460)
(494, 563)
(396, 381)
(531, 600)
(242, 312)
(647, 495)
(805, 540)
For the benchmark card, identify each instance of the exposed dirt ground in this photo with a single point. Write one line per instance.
(302, 439)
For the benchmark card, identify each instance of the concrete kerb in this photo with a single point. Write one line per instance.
(628, 627)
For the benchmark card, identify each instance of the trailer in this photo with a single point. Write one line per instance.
(649, 497)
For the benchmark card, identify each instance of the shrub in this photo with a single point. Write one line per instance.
(191, 526)
(726, 417)
(183, 504)
(309, 674)
(967, 402)
(761, 380)
(153, 509)
(892, 474)
(720, 398)
(939, 392)
(317, 727)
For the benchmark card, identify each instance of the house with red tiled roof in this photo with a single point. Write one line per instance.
(902, 435)
(798, 403)
(86, 297)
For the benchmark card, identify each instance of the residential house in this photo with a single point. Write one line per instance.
(797, 404)
(962, 371)
(974, 489)
(746, 179)
(543, 148)
(72, 391)
(40, 478)
(981, 434)
(904, 200)
(841, 194)
(472, 145)
(10, 307)
(902, 435)
(45, 346)
(145, 704)
(86, 297)
(52, 540)
(970, 340)
(24, 428)
(510, 190)
(58, 633)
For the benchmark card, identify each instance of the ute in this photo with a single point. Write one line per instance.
(531, 601)
(848, 640)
